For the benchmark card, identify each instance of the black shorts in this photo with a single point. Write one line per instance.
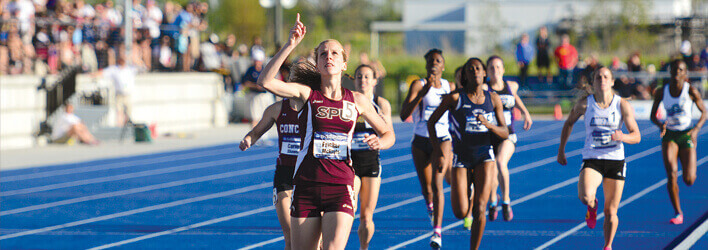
(423, 143)
(366, 163)
(474, 157)
(612, 169)
(283, 178)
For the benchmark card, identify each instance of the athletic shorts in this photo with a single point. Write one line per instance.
(474, 157)
(423, 143)
(366, 163)
(314, 199)
(679, 137)
(283, 178)
(611, 169)
(496, 141)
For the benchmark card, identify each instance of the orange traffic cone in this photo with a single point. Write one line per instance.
(558, 112)
(517, 114)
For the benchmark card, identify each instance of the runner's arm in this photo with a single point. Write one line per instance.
(577, 111)
(385, 137)
(634, 135)
(269, 116)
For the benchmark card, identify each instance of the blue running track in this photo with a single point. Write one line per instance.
(221, 198)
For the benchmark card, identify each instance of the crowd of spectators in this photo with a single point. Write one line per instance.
(45, 36)
(634, 79)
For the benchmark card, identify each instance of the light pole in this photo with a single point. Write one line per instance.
(278, 5)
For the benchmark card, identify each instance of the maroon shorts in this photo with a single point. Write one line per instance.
(314, 199)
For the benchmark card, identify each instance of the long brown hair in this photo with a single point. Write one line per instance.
(305, 73)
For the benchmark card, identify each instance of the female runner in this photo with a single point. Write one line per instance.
(423, 98)
(323, 194)
(679, 139)
(603, 153)
(504, 149)
(477, 115)
(366, 162)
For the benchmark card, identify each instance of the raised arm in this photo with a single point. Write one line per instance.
(500, 129)
(658, 96)
(415, 95)
(698, 99)
(520, 104)
(269, 116)
(385, 137)
(267, 78)
(634, 135)
(577, 111)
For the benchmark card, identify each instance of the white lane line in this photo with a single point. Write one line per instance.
(622, 204)
(247, 213)
(116, 165)
(137, 190)
(418, 198)
(536, 132)
(528, 197)
(551, 142)
(691, 239)
(139, 210)
(138, 174)
(185, 228)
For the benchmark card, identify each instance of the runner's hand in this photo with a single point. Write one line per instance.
(483, 120)
(663, 129)
(245, 143)
(561, 158)
(527, 123)
(617, 135)
(297, 32)
(373, 141)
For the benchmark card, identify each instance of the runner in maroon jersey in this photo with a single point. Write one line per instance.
(285, 116)
(323, 196)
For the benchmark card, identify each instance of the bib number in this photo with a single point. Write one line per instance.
(428, 112)
(507, 117)
(290, 145)
(332, 146)
(603, 139)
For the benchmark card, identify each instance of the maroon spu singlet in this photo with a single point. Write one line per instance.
(327, 128)
(288, 125)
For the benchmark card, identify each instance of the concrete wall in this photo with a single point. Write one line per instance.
(175, 102)
(21, 111)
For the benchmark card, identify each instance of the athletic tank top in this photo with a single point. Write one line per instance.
(363, 129)
(288, 126)
(600, 124)
(427, 105)
(327, 128)
(468, 131)
(678, 109)
(508, 102)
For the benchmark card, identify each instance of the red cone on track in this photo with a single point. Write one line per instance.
(558, 112)
(517, 114)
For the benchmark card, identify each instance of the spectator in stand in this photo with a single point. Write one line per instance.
(543, 60)
(686, 53)
(211, 61)
(114, 16)
(69, 126)
(152, 18)
(258, 98)
(634, 63)
(567, 58)
(592, 63)
(616, 65)
(165, 56)
(704, 56)
(257, 45)
(524, 56)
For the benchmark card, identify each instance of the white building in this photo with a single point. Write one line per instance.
(475, 26)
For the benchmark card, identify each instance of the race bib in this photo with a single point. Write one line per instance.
(428, 112)
(508, 101)
(330, 145)
(290, 145)
(603, 139)
(358, 141)
(474, 126)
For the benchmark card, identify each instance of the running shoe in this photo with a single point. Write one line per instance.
(436, 241)
(468, 223)
(506, 211)
(678, 220)
(607, 248)
(493, 210)
(591, 216)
